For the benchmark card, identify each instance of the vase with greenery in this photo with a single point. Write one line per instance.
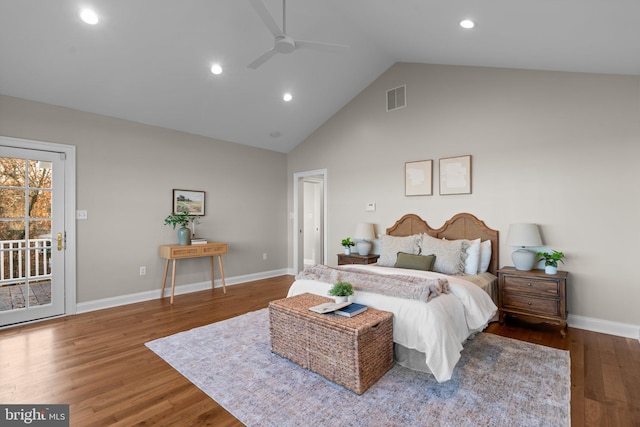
(341, 291)
(347, 243)
(551, 260)
(182, 219)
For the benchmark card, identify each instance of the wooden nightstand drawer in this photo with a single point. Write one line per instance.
(531, 305)
(533, 294)
(531, 285)
(344, 259)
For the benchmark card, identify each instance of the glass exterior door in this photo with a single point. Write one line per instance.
(32, 236)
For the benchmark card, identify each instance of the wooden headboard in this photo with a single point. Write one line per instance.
(460, 226)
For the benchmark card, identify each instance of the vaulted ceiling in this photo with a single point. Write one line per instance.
(149, 61)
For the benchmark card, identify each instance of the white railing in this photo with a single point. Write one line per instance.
(16, 260)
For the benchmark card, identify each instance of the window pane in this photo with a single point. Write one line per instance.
(12, 230)
(40, 230)
(39, 293)
(40, 204)
(12, 172)
(14, 262)
(12, 296)
(12, 203)
(39, 174)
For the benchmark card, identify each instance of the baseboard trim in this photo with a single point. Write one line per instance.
(604, 326)
(88, 306)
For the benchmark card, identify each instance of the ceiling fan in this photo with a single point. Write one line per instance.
(282, 42)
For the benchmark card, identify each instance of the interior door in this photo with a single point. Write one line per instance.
(32, 235)
(312, 223)
(309, 218)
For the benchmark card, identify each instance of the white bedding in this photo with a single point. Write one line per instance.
(437, 328)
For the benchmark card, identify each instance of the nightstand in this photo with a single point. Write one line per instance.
(357, 259)
(533, 296)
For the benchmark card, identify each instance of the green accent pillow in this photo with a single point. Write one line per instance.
(415, 262)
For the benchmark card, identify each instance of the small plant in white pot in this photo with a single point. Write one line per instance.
(551, 260)
(341, 291)
(347, 243)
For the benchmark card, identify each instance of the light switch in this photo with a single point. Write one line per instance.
(371, 207)
(81, 215)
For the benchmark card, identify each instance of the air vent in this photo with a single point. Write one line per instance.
(396, 98)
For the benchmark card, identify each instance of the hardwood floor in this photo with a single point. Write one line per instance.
(97, 363)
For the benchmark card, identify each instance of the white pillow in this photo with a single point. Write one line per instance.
(450, 254)
(472, 263)
(485, 256)
(391, 245)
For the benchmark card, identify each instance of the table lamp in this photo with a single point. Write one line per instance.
(523, 235)
(363, 236)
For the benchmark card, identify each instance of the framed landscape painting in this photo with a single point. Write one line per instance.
(188, 201)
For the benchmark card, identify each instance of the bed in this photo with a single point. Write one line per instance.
(428, 335)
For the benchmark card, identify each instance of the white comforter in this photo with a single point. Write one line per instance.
(437, 328)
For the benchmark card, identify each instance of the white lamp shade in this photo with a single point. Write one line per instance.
(364, 231)
(523, 235)
(363, 235)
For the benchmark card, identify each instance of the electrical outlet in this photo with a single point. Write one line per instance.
(264, 256)
(143, 271)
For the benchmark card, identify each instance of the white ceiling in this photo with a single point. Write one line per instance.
(148, 60)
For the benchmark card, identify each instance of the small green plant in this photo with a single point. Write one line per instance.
(341, 289)
(551, 259)
(347, 242)
(178, 218)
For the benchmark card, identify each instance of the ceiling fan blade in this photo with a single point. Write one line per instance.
(266, 17)
(327, 47)
(262, 59)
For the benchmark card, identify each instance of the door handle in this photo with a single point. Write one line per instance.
(59, 241)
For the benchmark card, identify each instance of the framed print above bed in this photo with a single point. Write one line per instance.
(455, 175)
(418, 178)
(188, 201)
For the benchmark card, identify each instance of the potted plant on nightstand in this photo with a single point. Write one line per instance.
(341, 291)
(347, 243)
(182, 219)
(551, 261)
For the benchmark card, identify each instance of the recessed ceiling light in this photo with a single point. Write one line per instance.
(467, 24)
(216, 69)
(89, 16)
(287, 97)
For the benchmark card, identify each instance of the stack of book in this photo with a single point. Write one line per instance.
(351, 310)
(198, 241)
(346, 309)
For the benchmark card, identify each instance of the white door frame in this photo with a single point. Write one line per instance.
(69, 151)
(296, 213)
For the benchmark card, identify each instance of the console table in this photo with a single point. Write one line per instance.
(176, 252)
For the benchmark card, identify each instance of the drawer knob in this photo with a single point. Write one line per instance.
(529, 303)
(529, 284)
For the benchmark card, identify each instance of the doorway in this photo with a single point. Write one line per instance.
(33, 232)
(310, 216)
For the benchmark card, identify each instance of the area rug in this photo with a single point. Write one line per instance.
(498, 382)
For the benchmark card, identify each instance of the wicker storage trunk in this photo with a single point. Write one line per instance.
(353, 352)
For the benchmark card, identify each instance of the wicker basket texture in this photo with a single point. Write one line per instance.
(353, 352)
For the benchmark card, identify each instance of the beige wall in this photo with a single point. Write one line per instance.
(125, 176)
(558, 149)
